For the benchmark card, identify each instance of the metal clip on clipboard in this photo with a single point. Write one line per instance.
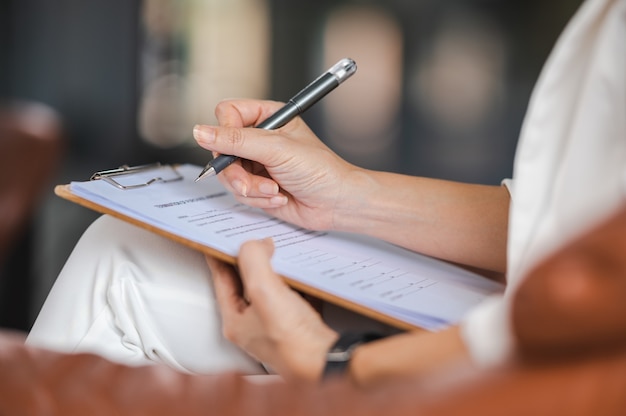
(110, 175)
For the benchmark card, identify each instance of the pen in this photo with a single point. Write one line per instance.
(300, 102)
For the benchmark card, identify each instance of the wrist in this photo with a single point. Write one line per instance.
(354, 201)
(340, 354)
(409, 354)
(307, 364)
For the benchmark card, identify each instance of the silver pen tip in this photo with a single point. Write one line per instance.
(205, 173)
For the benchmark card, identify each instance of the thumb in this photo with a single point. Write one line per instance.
(257, 273)
(244, 112)
(247, 143)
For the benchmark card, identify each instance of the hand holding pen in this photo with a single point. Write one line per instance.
(302, 101)
(289, 172)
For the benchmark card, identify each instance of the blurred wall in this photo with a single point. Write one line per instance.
(441, 89)
(79, 58)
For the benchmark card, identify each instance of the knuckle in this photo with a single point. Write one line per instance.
(235, 138)
(222, 108)
(229, 334)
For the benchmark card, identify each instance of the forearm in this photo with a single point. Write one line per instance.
(462, 223)
(408, 355)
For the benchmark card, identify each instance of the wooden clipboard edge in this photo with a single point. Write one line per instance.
(65, 192)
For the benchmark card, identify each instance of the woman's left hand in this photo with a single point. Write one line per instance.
(266, 318)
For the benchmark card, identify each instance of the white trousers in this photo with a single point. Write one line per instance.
(137, 298)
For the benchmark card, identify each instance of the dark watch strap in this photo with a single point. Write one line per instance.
(339, 355)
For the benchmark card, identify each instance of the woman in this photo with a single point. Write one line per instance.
(569, 174)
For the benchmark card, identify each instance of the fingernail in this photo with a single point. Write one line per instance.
(279, 200)
(205, 134)
(269, 188)
(240, 187)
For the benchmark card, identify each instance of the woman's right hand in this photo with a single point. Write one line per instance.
(288, 172)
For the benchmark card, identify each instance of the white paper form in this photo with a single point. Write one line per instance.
(393, 281)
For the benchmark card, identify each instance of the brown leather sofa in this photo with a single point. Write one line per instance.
(36, 382)
(31, 142)
(569, 319)
(30, 145)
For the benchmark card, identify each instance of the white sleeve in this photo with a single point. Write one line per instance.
(487, 332)
(508, 184)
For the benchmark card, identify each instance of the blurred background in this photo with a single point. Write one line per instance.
(441, 91)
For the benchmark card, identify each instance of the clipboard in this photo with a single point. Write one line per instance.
(111, 176)
(126, 183)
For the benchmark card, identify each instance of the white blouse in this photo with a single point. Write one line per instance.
(570, 166)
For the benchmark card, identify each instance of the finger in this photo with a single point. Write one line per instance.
(257, 273)
(266, 203)
(244, 113)
(252, 144)
(241, 182)
(262, 146)
(228, 290)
